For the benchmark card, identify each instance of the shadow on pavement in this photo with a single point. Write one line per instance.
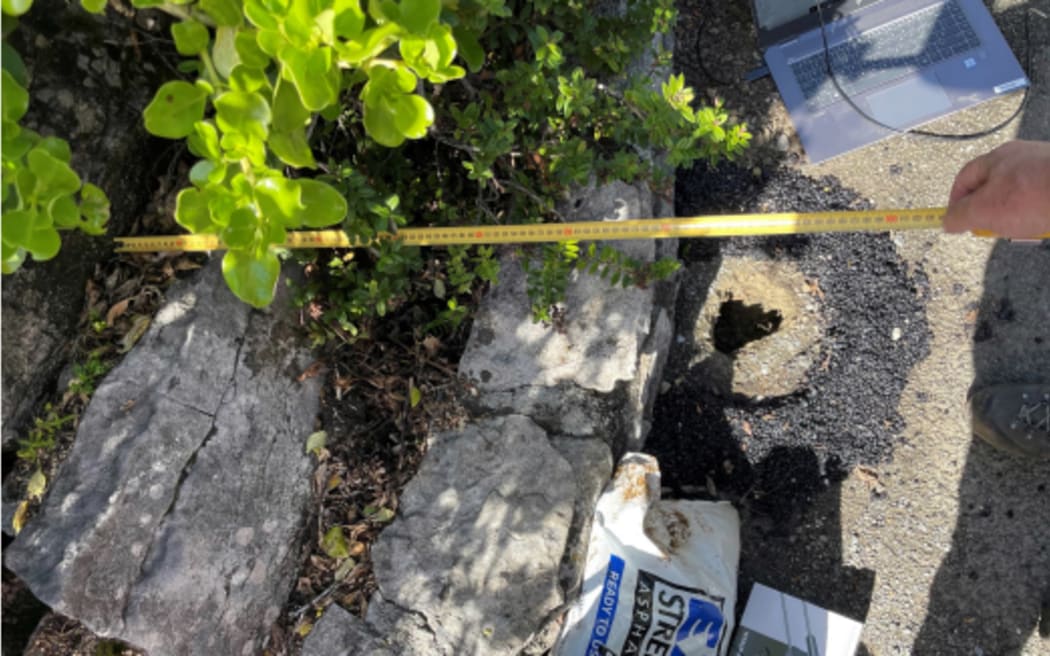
(992, 591)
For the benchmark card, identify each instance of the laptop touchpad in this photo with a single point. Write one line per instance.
(908, 102)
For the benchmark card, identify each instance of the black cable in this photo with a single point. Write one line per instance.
(700, 55)
(966, 136)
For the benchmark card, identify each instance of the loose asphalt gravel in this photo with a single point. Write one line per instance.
(775, 453)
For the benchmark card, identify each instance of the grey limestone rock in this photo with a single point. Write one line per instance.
(88, 86)
(594, 375)
(175, 522)
(482, 529)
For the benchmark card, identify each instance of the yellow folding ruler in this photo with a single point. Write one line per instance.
(784, 223)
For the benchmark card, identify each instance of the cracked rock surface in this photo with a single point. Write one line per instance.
(490, 539)
(174, 524)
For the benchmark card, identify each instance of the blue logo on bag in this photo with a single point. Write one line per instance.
(701, 630)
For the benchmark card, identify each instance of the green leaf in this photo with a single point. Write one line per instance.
(43, 243)
(17, 141)
(371, 44)
(248, 79)
(204, 142)
(13, 64)
(249, 51)
(414, 396)
(174, 109)
(12, 261)
(265, 13)
(57, 148)
(224, 52)
(288, 110)
(316, 442)
(16, 226)
(93, 6)
(16, 7)
(409, 114)
(391, 112)
(380, 515)
(469, 48)
(323, 205)
(314, 75)
(53, 176)
(223, 12)
(94, 207)
(201, 172)
(349, 19)
(288, 137)
(280, 199)
(63, 211)
(240, 231)
(14, 100)
(417, 15)
(412, 115)
(192, 212)
(252, 275)
(334, 543)
(270, 42)
(292, 148)
(246, 113)
(239, 146)
(221, 203)
(191, 37)
(431, 56)
(26, 185)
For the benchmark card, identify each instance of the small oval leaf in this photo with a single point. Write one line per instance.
(252, 276)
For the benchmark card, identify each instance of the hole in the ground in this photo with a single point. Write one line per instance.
(739, 324)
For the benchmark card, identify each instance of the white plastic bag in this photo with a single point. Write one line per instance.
(660, 578)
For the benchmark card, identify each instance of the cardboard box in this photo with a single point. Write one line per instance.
(777, 624)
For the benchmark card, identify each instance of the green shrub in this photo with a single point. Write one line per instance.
(508, 141)
(313, 113)
(41, 193)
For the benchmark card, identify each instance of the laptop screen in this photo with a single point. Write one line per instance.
(777, 20)
(771, 14)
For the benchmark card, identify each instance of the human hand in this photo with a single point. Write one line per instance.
(1005, 192)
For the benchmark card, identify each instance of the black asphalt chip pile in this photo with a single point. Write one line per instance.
(774, 455)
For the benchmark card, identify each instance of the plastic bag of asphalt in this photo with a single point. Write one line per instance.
(660, 576)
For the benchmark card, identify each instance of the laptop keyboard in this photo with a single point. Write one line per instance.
(886, 53)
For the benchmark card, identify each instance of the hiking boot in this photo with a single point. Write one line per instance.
(1014, 417)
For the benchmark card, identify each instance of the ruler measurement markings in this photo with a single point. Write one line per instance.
(700, 226)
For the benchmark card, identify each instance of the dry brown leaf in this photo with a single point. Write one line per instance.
(813, 286)
(431, 344)
(866, 474)
(186, 264)
(312, 371)
(870, 477)
(117, 309)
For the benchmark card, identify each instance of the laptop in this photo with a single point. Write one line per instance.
(901, 62)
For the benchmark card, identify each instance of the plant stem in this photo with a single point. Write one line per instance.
(209, 66)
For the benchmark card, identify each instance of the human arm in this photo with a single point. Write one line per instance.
(1005, 192)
